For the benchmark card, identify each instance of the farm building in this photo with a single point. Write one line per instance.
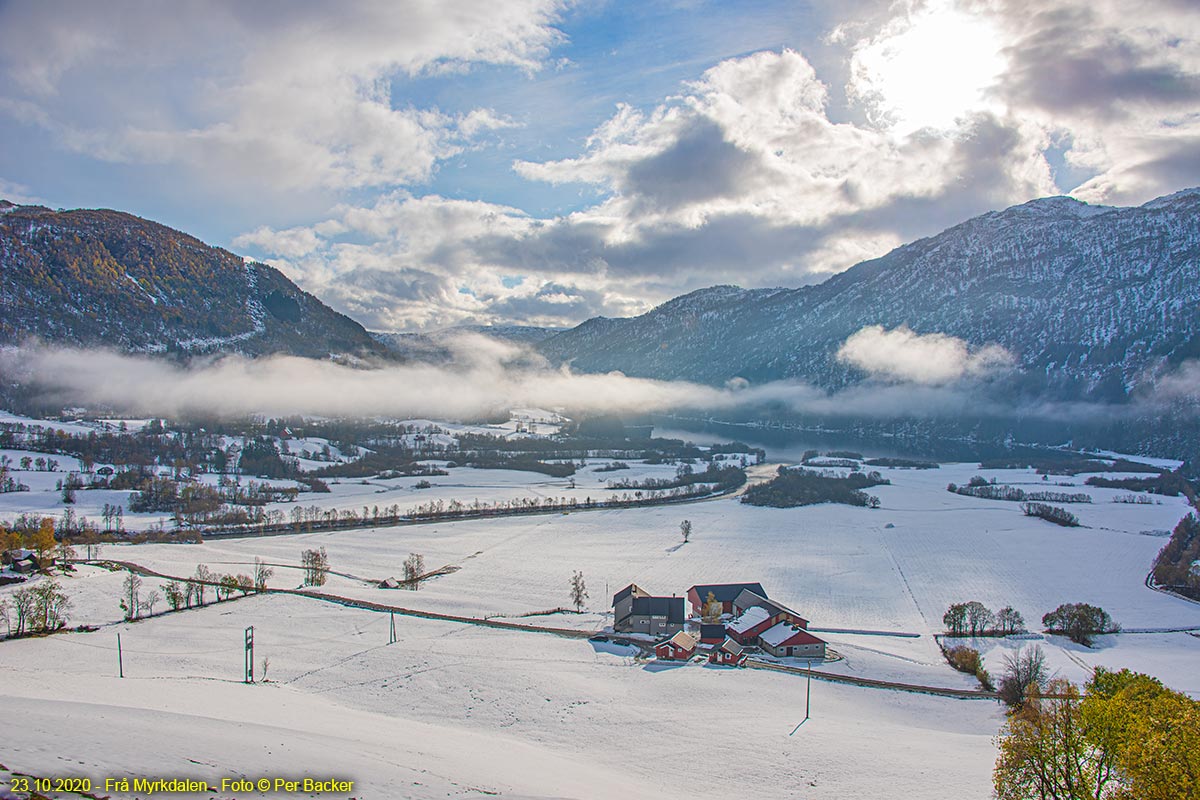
(712, 634)
(635, 611)
(24, 562)
(729, 654)
(724, 593)
(747, 626)
(788, 641)
(747, 600)
(679, 647)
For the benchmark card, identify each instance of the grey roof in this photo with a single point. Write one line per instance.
(727, 592)
(632, 588)
(669, 607)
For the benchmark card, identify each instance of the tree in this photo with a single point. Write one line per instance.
(955, 619)
(979, 618)
(1009, 620)
(1080, 622)
(245, 584)
(174, 594)
(200, 581)
(22, 608)
(149, 600)
(262, 574)
(579, 593)
(65, 552)
(1045, 751)
(1153, 732)
(712, 608)
(130, 588)
(685, 530)
(50, 606)
(42, 542)
(4, 616)
(1024, 672)
(226, 586)
(316, 566)
(414, 568)
(1129, 737)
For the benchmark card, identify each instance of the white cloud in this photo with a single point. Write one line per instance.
(930, 359)
(485, 377)
(244, 94)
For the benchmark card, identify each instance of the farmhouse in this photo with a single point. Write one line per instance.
(724, 593)
(679, 647)
(786, 640)
(635, 611)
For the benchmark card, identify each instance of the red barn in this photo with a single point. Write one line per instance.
(679, 647)
(723, 593)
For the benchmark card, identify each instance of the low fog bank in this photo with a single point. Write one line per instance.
(487, 377)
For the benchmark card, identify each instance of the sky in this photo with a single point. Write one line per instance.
(421, 164)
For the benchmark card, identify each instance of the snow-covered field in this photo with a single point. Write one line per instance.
(451, 710)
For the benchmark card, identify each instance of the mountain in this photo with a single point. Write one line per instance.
(1091, 300)
(99, 277)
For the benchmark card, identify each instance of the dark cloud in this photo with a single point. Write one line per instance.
(701, 165)
(1070, 61)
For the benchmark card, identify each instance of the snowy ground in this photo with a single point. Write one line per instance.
(542, 716)
(463, 483)
(452, 711)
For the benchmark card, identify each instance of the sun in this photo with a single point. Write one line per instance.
(927, 69)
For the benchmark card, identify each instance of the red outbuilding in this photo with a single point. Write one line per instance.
(679, 647)
(729, 654)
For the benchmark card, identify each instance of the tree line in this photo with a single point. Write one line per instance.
(1080, 622)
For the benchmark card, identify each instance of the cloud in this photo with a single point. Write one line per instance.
(742, 178)
(252, 94)
(929, 359)
(484, 377)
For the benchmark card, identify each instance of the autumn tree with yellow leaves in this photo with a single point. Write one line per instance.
(1127, 737)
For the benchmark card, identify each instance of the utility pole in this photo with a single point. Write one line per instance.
(807, 700)
(392, 637)
(249, 655)
(120, 660)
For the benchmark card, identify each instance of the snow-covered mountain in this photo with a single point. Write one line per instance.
(99, 277)
(1091, 301)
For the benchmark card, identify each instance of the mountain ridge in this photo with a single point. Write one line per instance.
(98, 277)
(1092, 301)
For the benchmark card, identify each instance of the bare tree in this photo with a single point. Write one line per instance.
(414, 568)
(174, 594)
(131, 587)
(4, 616)
(685, 530)
(262, 574)
(1024, 670)
(266, 664)
(203, 577)
(22, 608)
(579, 593)
(149, 600)
(316, 566)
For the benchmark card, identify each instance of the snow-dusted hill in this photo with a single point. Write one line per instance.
(1091, 300)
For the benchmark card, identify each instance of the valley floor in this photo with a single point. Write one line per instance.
(455, 710)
